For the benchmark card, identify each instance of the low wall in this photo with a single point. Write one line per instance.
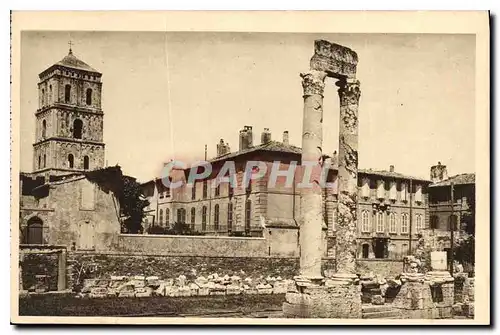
(384, 267)
(174, 266)
(199, 246)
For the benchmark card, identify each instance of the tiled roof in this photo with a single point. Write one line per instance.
(460, 179)
(275, 146)
(72, 62)
(390, 174)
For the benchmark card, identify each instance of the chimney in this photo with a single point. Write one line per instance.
(265, 137)
(391, 168)
(222, 148)
(285, 138)
(438, 173)
(246, 138)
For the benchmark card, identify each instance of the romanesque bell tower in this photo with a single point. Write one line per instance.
(69, 120)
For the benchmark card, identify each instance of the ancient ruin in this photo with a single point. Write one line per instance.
(339, 295)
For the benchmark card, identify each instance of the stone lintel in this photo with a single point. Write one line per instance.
(334, 59)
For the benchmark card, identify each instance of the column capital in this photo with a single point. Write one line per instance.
(349, 91)
(313, 82)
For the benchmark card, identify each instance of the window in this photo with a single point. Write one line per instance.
(193, 192)
(88, 96)
(167, 216)
(230, 190)
(392, 191)
(365, 190)
(380, 222)
(248, 213)
(404, 223)
(43, 97)
(204, 218)
(50, 93)
(380, 189)
(419, 224)
(71, 161)
(230, 217)
(205, 189)
(44, 128)
(365, 250)
(39, 161)
(365, 222)
(404, 192)
(67, 93)
(418, 193)
(77, 128)
(86, 162)
(216, 217)
(217, 189)
(160, 218)
(179, 215)
(392, 223)
(44, 160)
(193, 217)
(434, 222)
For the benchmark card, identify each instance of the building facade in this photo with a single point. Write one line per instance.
(393, 208)
(451, 206)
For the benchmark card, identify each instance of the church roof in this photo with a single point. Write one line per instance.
(71, 61)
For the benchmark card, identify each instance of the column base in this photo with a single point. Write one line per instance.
(337, 297)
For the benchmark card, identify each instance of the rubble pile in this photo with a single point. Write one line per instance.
(377, 290)
(214, 284)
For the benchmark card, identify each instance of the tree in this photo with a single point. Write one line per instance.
(127, 191)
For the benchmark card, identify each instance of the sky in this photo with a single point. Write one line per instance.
(166, 95)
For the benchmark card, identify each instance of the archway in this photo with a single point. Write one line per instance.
(34, 231)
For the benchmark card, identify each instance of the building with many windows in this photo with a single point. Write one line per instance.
(393, 207)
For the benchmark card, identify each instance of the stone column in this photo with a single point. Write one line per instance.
(311, 198)
(61, 271)
(349, 94)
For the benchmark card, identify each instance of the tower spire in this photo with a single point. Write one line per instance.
(70, 51)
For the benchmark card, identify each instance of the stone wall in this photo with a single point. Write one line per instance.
(384, 267)
(202, 246)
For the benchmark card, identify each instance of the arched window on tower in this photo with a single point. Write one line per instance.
(44, 128)
(86, 162)
(43, 97)
(71, 161)
(39, 161)
(67, 93)
(88, 97)
(44, 160)
(50, 93)
(77, 128)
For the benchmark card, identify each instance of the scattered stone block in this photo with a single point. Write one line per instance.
(264, 289)
(143, 292)
(233, 289)
(377, 300)
(98, 292)
(279, 287)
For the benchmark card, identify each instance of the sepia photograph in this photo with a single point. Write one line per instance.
(245, 175)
